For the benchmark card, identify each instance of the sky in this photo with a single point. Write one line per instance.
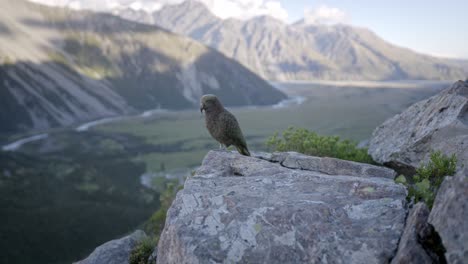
(435, 27)
(438, 28)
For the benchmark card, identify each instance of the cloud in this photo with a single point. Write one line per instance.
(106, 5)
(325, 15)
(245, 9)
(241, 9)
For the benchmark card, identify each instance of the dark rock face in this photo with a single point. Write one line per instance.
(410, 250)
(239, 209)
(449, 216)
(438, 123)
(114, 252)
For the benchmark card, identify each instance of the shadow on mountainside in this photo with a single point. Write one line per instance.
(4, 30)
(135, 73)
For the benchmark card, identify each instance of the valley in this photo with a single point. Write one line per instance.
(178, 139)
(60, 67)
(107, 164)
(99, 111)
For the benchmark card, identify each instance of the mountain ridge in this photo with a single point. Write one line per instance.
(300, 51)
(62, 66)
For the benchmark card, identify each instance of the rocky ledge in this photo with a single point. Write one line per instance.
(438, 123)
(284, 208)
(449, 217)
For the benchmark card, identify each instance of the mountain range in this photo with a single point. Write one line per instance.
(300, 51)
(59, 67)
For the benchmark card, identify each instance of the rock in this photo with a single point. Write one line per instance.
(438, 123)
(239, 209)
(116, 251)
(331, 166)
(449, 216)
(153, 257)
(410, 250)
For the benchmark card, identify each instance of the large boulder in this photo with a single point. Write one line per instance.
(330, 166)
(449, 216)
(438, 123)
(116, 251)
(412, 247)
(238, 209)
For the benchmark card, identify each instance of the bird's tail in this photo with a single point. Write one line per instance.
(243, 150)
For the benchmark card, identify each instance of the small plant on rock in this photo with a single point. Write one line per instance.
(154, 226)
(142, 251)
(429, 177)
(156, 222)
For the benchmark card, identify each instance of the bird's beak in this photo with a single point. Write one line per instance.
(202, 107)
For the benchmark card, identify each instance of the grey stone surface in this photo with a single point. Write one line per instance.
(114, 252)
(239, 209)
(449, 216)
(438, 123)
(331, 166)
(153, 257)
(410, 249)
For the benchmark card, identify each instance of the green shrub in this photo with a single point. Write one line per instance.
(154, 226)
(429, 177)
(143, 250)
(156, 223)
(310, 143)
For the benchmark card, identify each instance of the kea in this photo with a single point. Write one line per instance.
(222, 125)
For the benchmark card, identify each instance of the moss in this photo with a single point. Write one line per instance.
(401, 179)
(258, 227)
(368, 189)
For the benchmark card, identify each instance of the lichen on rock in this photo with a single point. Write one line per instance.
(438, 123)
(239, 209)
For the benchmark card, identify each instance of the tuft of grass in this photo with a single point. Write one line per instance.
(143, 250)
(310, 143)
(429, 177)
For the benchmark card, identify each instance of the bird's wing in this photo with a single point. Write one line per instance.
(232, 128)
